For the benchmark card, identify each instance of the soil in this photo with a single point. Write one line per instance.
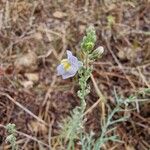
(39, 32)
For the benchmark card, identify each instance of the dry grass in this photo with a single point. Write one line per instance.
(46, 29)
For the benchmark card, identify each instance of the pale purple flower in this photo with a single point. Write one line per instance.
(69, 67)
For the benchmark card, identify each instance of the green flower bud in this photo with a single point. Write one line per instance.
(89, 40)
(89, 46)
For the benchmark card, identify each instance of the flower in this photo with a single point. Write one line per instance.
(69, 67)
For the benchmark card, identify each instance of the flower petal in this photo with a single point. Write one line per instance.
(69, 53)
(60, 70)
(68, 75)
(72, 59)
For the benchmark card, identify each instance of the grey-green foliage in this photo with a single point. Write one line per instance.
(72, 125)
(110, 123)
(108, 127)
(88, 142)
(84, 74)
(11, 138)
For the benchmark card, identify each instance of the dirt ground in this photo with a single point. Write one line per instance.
(34, 36)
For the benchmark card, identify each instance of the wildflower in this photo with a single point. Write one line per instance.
(69, 67)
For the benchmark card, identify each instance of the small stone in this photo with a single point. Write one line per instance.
(27, 84)
(121, 54)
(129, 147)
(37, 127)
(27, 61)
(59, 14)
(37, 36)
(32, 77)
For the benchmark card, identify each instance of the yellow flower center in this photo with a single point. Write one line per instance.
(66, 64)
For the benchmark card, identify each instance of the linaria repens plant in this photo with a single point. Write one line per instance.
(73, 126)
(11, 138)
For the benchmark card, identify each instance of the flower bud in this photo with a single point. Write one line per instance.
(89, 46)
(89, 40)
(97, 53)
